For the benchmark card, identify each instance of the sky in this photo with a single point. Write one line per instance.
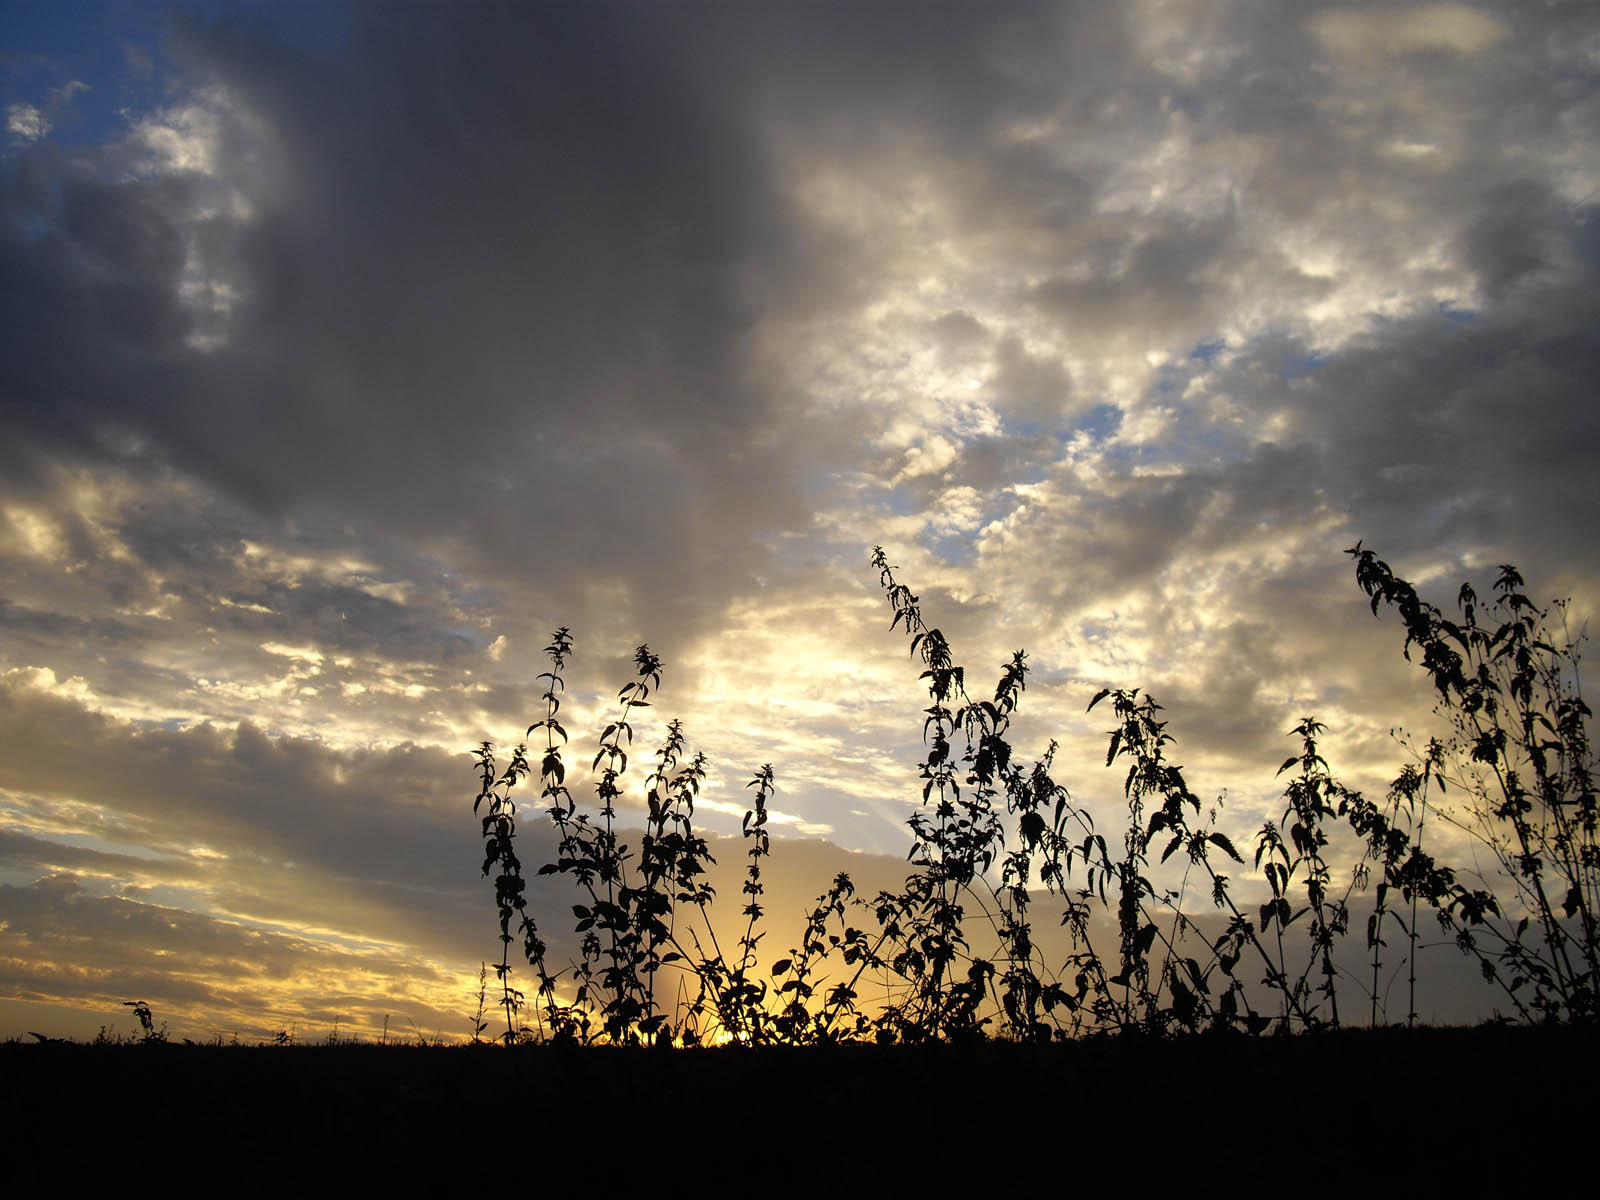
(352, 349)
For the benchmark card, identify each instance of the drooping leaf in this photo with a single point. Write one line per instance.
(1145, 939)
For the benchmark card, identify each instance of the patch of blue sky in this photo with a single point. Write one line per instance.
(1462, 316)
(184, 899)
(90, 67)
(955, 544)
(165, 725)
(954, 549)
(1100, 422)
(900, 501)
(310, 25)
(1189, 436)
(1001, 503)
(1124, 452)
(1095, 630)
(99, 845)
(81, 65)
(17, 877)
(1174, 376)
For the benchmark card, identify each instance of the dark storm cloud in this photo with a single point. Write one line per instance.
(498, 279)
(450, 295)
(90, 297)
(503, 294)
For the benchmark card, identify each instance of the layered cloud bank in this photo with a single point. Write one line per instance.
(345, 361)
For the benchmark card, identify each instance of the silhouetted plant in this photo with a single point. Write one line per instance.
(1294, 846)
(925, 924)
(990, 830)
(1042, 808)
(629, 929)
(1405, 867)
(150, 1034)
(737, 996)
(479, 1024)
(742, 1007)
(1158, 786)
(499, 830)
(1520, 759)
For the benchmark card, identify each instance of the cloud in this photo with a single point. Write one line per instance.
(1456, 28)
(25, 122)
(29, 123)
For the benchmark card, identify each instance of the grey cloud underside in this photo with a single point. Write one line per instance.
(506, 301)
(504, 298)
(509, 294)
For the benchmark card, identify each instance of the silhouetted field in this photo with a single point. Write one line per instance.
(351, 1096)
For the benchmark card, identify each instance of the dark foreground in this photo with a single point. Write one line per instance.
(337, 1100)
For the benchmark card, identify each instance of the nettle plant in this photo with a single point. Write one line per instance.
(629, 924)
(955, 953)
(1521, 769)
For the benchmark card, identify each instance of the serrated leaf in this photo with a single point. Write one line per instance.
(1222, 843)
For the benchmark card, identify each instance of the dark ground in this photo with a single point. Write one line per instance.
(996, 1100)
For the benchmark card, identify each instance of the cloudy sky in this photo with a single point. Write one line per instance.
(350, 350)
